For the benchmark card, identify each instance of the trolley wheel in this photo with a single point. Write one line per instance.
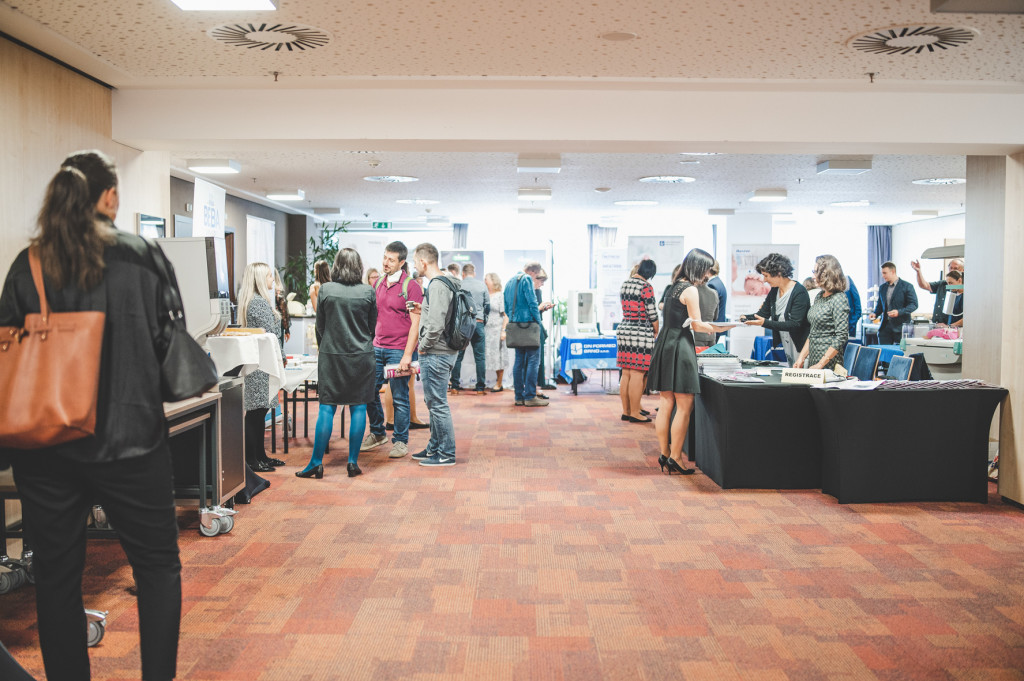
(227, 523)
(213, 530)
(8, 582)
(95, 633)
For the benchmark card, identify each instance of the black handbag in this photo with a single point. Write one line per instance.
(186, 370)
(521, 334)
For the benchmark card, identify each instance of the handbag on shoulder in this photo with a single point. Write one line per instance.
(186, 370)
(521, 334)
(49, 374)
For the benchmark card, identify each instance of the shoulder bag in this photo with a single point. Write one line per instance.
(49, 374)
(521, 334)
(186, 369)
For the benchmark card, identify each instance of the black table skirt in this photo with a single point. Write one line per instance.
(757, 435)
(906, 445)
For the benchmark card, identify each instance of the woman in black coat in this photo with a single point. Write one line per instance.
(125, 466)
(346, 316)
(784, 310)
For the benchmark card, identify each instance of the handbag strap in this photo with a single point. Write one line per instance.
(37, 278)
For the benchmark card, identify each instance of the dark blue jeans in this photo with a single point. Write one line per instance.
(524, 373)
(479, 359)
(399, 397)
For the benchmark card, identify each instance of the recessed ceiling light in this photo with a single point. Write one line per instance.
(721, 211)
(851, 204)
(286, 195)
(539, 164)
(843, 167)
(391, 178)
(668, 179)
(690, 162)
(214, 166)
(636, 202)
(618, 36)
(602, 190)
(418, 202)
(535, 194)
(224, 5)
(531, 211)
(767, 195)
(700, 153)
(941, 180)
(925, 213)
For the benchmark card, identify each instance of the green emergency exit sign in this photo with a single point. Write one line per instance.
(382, 225)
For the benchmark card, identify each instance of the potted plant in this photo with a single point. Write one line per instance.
(298, 270)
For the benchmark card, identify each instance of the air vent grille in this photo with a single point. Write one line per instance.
(912, 40)
(271, 37)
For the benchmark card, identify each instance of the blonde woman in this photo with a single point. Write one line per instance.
(494, 331)
(322, 274)
(256, 310)
(829, 318)
(372, 276)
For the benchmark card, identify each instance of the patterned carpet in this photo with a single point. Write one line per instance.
(556, 549)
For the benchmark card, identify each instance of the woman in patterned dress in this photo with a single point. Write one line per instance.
(635, 338)
(829, 318)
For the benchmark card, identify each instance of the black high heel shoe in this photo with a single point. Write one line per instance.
(673, 465)
(314, 472)
(661, 462)
(353, 470)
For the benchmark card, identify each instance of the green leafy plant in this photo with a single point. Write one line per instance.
(298, 270)
(560, 312)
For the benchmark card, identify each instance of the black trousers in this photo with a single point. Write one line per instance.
(889, 334)
(138, 497)
(255, 432)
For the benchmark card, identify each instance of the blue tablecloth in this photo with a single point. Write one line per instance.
(763, 350)
(586, 353)
(887, 352)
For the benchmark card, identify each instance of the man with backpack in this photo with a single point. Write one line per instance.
(447, 321)
(394, 342)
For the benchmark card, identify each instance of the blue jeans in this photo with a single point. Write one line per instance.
(524, 373)
(399, 397)
(435, 372)
(479, 358)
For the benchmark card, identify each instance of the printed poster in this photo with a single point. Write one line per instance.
(748, 288)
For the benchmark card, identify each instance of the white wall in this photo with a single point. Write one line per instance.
(910, 239)
(818, 236)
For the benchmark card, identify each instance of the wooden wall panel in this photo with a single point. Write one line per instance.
(1011, 432)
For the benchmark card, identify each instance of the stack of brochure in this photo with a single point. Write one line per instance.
(716, 366)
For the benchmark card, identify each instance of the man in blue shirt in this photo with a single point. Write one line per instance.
(521, 306)
(719, 287)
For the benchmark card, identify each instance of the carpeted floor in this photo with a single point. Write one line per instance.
(556, 549)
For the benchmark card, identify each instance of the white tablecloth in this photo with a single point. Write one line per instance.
(260, 352)
(294, 376)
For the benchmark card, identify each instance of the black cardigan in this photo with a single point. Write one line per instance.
(796, 316)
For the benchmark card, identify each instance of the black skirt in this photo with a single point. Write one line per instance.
(346, 379)
(674, 363)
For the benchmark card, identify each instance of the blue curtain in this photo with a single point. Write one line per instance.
(879, 251)
(460, 232)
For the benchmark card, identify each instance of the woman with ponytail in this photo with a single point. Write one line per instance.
(126, 465)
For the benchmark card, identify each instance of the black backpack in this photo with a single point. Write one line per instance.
(460, 321)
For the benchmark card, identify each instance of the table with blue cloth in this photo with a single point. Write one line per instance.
(886, 353)
(763, 350)
(586, 353)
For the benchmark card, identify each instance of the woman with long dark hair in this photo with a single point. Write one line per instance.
(346, 368)
(674, 362)
(126, 465)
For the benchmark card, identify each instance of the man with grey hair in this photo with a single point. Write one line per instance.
(937, 287)
(482, 302)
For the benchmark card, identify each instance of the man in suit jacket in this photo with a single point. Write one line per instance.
(896, 300)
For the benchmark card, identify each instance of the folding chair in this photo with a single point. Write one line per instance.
(866, 364)
(900, 368)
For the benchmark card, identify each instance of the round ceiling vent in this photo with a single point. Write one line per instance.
(275, 37)
(912, 39)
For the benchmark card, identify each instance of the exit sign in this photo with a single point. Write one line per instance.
(382, 225)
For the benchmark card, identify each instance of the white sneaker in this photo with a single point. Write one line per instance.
(398, 450)
(372, 441)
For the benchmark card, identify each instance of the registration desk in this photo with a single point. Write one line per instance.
(757, 435)
(908, 443)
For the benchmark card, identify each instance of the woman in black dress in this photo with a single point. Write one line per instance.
(346, 317)
(674, 362)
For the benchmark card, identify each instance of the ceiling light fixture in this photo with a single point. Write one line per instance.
(636, 202)
(721, 211)
(214, 166)
(926, 213)
(539, 164)
(225, 5)
(699, 153)
(286, 195)
(328, 210)
(418, 202)
(391, 178)
(531, 211)
(602, 190)
(843, 167)
(941, 180)
(767, 195)
(689, 162)
(618, 36)
(668, 179)
(851, 204)
(535, 194)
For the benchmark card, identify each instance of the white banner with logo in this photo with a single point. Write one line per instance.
(259, 240)
(208, 210)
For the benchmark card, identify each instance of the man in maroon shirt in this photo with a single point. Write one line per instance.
(394, 342)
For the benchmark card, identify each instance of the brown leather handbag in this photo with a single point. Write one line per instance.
(49, 374)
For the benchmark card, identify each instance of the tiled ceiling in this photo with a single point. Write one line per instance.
(474, 186)
(154, 41)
